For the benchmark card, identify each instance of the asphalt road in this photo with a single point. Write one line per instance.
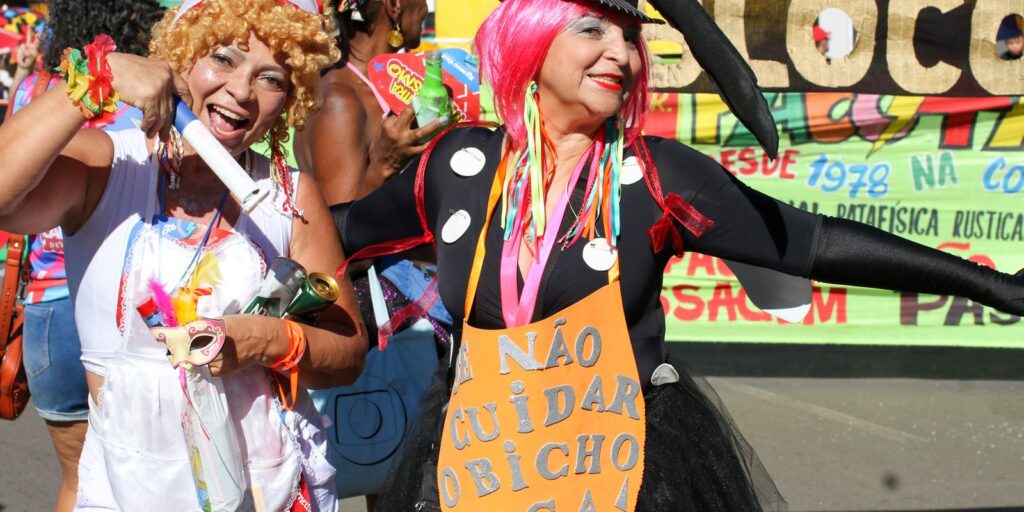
(837, 428)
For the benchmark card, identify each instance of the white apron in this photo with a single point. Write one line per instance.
(135, 457)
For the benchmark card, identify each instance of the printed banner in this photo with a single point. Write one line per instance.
(899, 47)
(956, 48)
(904, 120)
(945, 172)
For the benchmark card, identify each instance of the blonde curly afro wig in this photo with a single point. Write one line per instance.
(303, 39)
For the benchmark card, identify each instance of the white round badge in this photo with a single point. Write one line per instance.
(631, 171)
(600, 256)
(456, 226)
(468, 162)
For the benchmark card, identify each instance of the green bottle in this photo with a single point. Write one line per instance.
(432, 101)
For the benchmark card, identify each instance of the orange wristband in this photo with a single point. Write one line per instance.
(290, 363)
(296, 349)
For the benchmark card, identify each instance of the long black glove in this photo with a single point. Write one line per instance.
(731, 73)
(856, 254)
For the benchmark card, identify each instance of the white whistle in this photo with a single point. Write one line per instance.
(239, 183)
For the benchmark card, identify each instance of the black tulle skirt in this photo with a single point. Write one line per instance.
(694, 459)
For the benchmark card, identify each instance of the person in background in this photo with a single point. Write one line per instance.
(355, 143)
(26, 61)
(52, 348)
(820, 40)
(1011, 36)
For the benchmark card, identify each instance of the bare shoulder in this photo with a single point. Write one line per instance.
(341, 96)
(342, 112)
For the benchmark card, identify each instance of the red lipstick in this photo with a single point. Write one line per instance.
(615, 85)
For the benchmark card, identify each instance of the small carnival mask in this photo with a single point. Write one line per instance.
(195, 343)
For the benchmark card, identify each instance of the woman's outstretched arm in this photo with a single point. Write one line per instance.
(856, 254)
(754, 228)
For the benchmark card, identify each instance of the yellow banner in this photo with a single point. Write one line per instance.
(456, 21)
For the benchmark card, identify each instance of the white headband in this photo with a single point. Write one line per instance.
(310, 6)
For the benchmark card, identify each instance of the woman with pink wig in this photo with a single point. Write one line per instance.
(552, 234)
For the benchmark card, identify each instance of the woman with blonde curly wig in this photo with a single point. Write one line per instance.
(141, 212)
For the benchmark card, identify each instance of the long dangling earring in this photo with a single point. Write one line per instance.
(169, 156)
(279, 170)
(396, 39)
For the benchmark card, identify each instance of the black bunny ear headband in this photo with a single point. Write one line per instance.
(716, 54)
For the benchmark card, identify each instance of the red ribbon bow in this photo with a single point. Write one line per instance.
(675, 208)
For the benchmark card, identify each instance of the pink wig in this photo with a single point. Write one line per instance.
(513, 43)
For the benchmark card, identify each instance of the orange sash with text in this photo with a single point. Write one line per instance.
(546, 415)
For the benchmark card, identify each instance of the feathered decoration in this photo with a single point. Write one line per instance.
(185, 307)
(164, 303)
(204, 278)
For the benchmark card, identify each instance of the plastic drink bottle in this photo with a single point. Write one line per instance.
(432, 101)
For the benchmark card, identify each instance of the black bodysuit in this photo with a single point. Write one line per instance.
(695, 460)
(750, 227)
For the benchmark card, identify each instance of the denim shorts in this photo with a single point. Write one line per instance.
(52, 358)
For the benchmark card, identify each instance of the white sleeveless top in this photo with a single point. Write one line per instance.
(136, 428)
(99, 259)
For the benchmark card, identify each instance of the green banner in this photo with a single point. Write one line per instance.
(945, 172)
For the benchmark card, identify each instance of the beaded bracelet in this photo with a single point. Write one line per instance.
(89, 78)
(290, 362)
